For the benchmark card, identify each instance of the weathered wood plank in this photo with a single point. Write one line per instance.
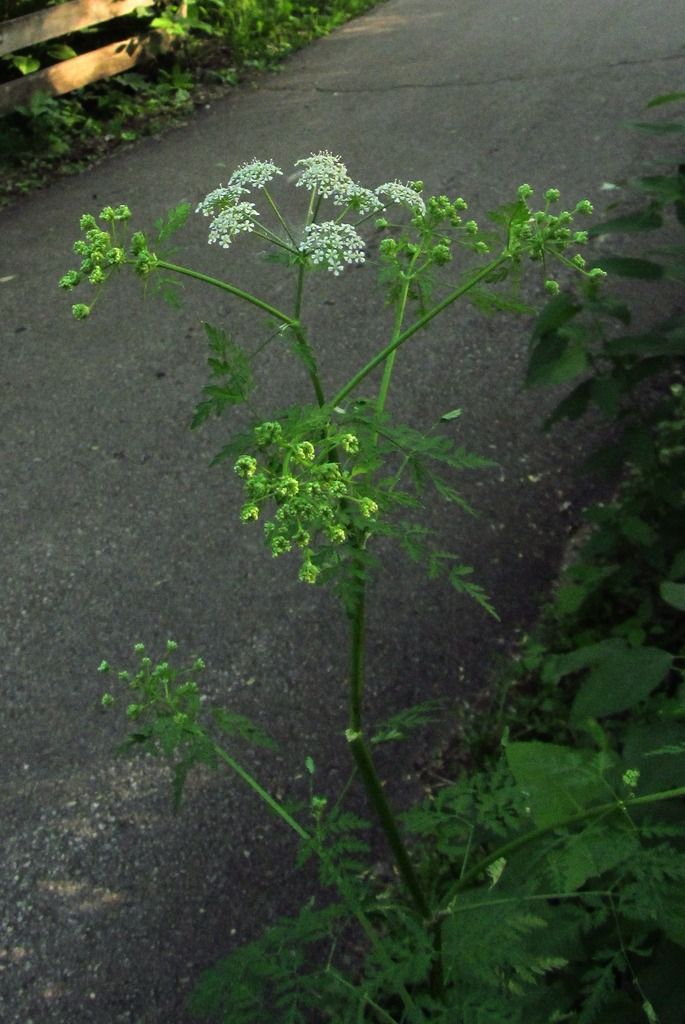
(77, 71)
(57, 21)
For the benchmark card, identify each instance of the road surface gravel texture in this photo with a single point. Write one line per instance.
(115, 530)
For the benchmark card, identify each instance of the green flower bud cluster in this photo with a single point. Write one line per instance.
(166, 701)
(542, 233)
(317, 499)
(100, 254)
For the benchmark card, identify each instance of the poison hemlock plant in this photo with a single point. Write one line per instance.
(550, 866)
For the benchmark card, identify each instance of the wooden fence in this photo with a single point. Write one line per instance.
(72, 73)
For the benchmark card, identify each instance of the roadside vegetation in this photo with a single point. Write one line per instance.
(217, 44)
(543, 877)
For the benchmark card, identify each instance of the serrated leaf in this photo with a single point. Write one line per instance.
(172, 221)
(557, 781)
(630, 266)
(240, 725)
(492, 302)
(673, 594)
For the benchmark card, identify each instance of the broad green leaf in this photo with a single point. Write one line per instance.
(640, 220)
(557, 781)
(623, 678)
(667, 187)
(573, 406)
(60, 51)
(26, 65)
(606, 393)
(559, 665)
(638, 531)
(673, 594)
(659, 128)
(666, 97)
(630, 266)
(554, 360)
(677, 570)
(654, 343)
(557, 312)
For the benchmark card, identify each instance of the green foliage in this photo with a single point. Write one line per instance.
(547, 881)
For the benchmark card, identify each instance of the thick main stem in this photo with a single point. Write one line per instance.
(364, 761)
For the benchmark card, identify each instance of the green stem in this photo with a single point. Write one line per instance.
(572, 819)
(280, 217)
(247, 296)
(417, 326)
(364, 761)
(414, 1013)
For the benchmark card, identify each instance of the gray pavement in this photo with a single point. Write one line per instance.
(115, 530)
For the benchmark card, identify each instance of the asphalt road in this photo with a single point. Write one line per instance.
(114, 530)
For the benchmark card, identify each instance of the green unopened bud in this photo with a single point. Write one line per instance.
(305, 451)
(524, 191)
(80, 312)
(552, 287)
(171, 645)
(388, 247)
(108, 213)
(103, 666)
(441, 254)
(584, 206)
(417, 186)
(578, 261)
(382, 223)
(580, 237)
(115, 257)
(350, 443)
(471, 227)
(87, 222)
(308, 573)
(139, 648)
(460, 204)
(107, 700)
(245, 467)
(597, 272)
(249, 512)
(122, 213)
(552, 195)
(482, 247)
(134, 710)
(96, 276)
(367, 507)
(70, 280)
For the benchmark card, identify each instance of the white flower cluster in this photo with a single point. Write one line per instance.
(256, 173)
(360, 199)
(324, 172)
(220, 199)
(396, 192)
(332, 245)
(231, 222)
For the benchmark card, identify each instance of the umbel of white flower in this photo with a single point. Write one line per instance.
(332, 245)
(329, 244)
